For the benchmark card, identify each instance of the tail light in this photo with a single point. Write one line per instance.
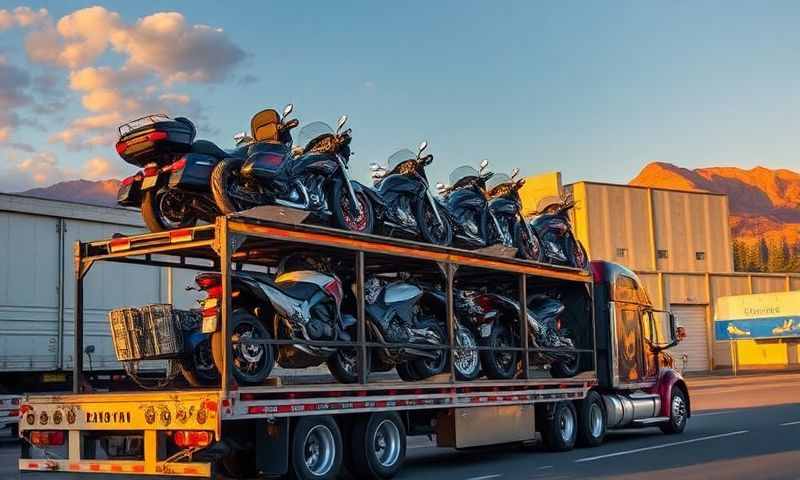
(150, 171)
(121, 147)
(119, 244)
(208, 280)
(13, 413)
(334, 289)
(129, 180)
(157, 136)
(269, 158)
(183, 235)
(176, 166)
(47, 438)
(192, 438)
(484, 302)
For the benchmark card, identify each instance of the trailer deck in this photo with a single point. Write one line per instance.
(256, 238)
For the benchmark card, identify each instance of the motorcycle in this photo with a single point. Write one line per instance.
(406, 205)
(313, 176)
(172, 187)
(298, 304)
(495, 318)
(398, 312)
(197, 362)
(558, 243)
(505, 211)
(465, 202)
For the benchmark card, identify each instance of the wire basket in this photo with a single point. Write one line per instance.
(150, 332)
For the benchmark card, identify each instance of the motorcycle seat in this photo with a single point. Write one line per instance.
(208, 148)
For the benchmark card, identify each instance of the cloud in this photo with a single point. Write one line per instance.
(13, 94)
(175, 98)
(22, 17)
(99, 168)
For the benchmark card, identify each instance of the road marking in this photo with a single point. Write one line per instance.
(744, 388)
(725, 412)
(486, 477)
(664, 445)
(790, 423)
(545, 467)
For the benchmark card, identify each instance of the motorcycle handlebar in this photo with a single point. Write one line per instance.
(291, 124)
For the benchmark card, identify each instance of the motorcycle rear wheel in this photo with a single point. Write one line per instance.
(153, 214)
(565, 368)
(222, 176)
(497, 364)
(343, 365)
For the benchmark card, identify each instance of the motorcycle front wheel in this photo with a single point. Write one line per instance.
(343, 365)
(223, 178)
(498, 362)
(466, 359)
(565, 368)
(198, 368)
(527, 247)
(429, 227)
(428, 367)
(166, 209)
(361, 222)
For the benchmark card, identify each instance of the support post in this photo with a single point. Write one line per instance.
(523, 325)
(361, 321)
(77, 355)
(449, 274)
(227, 326)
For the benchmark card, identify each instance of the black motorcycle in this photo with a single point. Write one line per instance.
(495, 318)
(298, 305)
(399, 312)
(505, 212)
(313, 176)
(406, 205)
(558, 243)
(465, 202)
(173, 186)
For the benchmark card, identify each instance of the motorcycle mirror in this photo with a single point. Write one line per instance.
(342, 121)
(287, 110)
(421, 148)
(440, 186)
(484, 164)
(514, 172)
(374, 167)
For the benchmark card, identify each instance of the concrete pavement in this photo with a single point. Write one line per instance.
(744, 427)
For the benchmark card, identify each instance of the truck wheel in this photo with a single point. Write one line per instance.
(560, 428)
(316, 450)
(677, 412)
(591, 420)
(378, 445)
(497, 363)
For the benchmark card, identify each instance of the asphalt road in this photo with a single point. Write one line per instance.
(745, 427)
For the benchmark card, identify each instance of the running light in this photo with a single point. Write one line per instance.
(192, 439)
(184, 235)
(46, 438)
(176, 166)
(119, 244)
(157, 136)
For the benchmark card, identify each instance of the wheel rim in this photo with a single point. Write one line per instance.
(437, 230)
(503, 357)
(386, 443)
(596, 420)
(466, 358)
(319, 450)
(248, 358)
(678, 410)
(356, 223)
(170, 201)
(566, 424)
(349, 359)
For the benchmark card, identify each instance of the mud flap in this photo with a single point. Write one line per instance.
(272, 447)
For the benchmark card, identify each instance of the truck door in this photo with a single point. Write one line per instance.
(650, 339)
(630, 358)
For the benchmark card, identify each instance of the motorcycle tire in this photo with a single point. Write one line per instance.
(407, 373)
(565, 368)
(340, 368)
(494, 366)
(344, 220)
(426, 219)
(199, 377)
(153, 216)
(426, 368)
(465, 372)
(529, 249)
(220, 178)
(241, 318)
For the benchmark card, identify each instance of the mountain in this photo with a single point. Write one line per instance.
(100, 192)
(762, 202)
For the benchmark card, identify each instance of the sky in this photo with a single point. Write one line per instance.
(593, 89)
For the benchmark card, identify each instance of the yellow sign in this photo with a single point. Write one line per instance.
(539, 190)
(762, 305)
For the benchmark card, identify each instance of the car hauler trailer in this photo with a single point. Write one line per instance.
(314, 427)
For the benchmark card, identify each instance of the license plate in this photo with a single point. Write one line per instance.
(149, 182)
(209, 324)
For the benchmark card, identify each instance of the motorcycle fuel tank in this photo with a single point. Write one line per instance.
(395, 185)
(401, 292)
(503, 206)
(465, 198)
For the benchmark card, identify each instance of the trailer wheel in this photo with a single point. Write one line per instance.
(560, 428)
(591, 420)
(677, 412)
(378, 445)
(316, 449)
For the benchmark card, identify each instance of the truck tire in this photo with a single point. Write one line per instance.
(378, 445)
(559, 430)
(316, 449)
(678, 409)
(591, 420)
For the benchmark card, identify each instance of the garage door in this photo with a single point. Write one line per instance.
(693, 319)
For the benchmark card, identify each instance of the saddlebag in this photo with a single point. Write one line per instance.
(194, 172)
(154, 138)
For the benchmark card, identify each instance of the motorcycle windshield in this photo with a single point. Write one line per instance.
(463, 172)
(399, 157)
(496, 180)
(312, 131)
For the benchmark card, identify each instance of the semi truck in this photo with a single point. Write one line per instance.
(312, 427)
